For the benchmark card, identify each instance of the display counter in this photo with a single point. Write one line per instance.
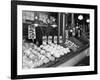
(71, 58)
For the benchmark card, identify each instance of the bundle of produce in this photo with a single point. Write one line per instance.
(34, 56)
(71, 45)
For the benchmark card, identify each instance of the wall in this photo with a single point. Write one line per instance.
(5, 40)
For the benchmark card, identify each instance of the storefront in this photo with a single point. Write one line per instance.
(55, 39)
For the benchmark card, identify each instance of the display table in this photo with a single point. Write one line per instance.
(71, 58)
(77, 58)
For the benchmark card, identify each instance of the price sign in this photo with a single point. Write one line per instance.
(31, 32)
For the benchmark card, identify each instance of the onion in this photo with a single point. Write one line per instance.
(42, 51)
(52, 58)
(45, 60)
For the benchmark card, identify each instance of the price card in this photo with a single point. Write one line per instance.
(31, 32)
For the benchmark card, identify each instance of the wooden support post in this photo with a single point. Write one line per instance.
(59, 15)
(63, 38)
(72, 20)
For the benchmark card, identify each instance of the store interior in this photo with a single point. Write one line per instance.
(55, 39)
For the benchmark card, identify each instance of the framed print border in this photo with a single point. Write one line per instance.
(14, 51)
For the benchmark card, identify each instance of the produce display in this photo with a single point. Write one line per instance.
(71, 45)
(34, 56)
(48, 38)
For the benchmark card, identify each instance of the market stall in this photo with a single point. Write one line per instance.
(54, 39)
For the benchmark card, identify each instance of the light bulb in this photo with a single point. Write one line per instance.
(71, 30)
(36, 17)
(54, 25)
(87, 20)
(36, 25)
(80, 17)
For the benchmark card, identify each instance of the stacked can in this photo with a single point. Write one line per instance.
(60, 39)
(66, 33)
(73, 33)
(49, 39)
(55, 39)
(44, 40)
